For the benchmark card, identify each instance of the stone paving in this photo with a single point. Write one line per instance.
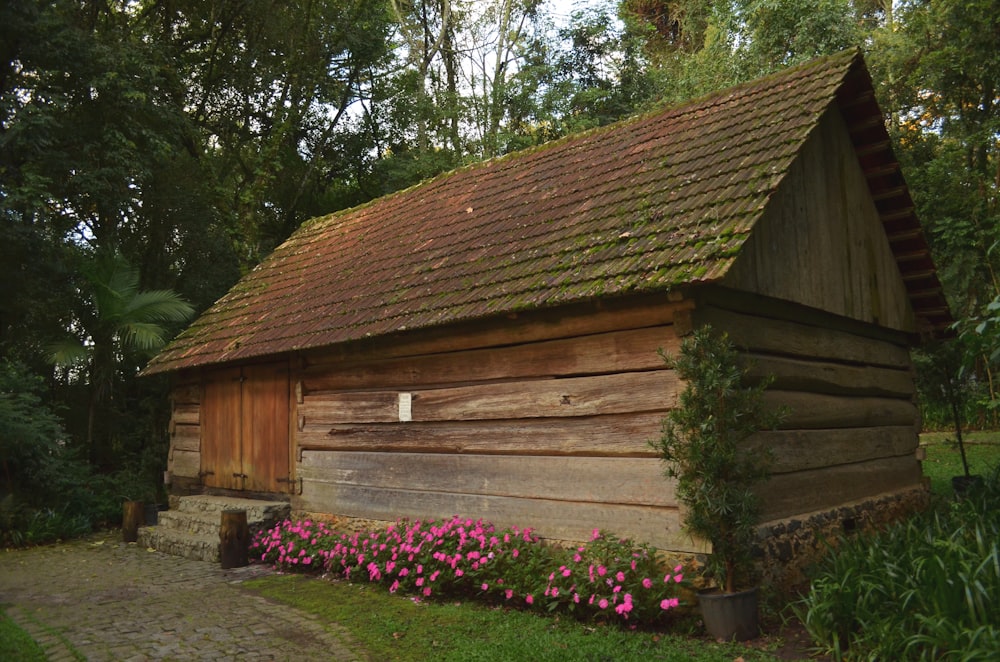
(101, 599)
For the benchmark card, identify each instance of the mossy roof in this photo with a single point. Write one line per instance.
(648, 204)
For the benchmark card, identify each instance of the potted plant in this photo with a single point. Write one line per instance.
(701, 444)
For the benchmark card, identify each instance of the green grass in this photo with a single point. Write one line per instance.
(390, 627)
(944, 459)
(16, 644)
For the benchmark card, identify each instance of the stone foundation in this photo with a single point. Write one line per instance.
(788, 547)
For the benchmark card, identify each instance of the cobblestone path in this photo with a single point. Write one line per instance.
(105, 600)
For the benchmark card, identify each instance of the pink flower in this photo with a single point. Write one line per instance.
(669, 603)
(624, 608)
(514, 553)
(509, 593)
(566, 572)
(419, 582)
(620, 576)
(647, 582)
(485, 586)
(529, 599)
(427, 592)
(576, 598)
(601, 570)
(555, 591)
(595, 534)
(394, 587)
(577, 558)
(603, 604)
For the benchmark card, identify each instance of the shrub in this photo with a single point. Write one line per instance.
(702, 447)
(924, 589)
(606, 579)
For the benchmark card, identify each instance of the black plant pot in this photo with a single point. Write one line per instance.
(730, 616)
(962, 484)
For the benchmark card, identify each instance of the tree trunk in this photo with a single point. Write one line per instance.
(234, 539)
(133, 516)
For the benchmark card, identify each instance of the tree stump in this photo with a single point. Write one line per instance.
(133, 516)
(234, 539)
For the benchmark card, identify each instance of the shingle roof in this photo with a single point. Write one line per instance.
(648, 204)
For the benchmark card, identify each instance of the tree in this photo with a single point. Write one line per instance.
(116, 322)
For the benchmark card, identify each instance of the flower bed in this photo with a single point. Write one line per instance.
(609, 579)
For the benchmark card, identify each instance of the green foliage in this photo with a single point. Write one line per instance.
(702, 446)
(32, 434)
(922, 590)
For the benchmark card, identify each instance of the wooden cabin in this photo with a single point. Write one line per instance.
(485, 343)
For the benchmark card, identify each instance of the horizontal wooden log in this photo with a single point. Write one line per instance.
(184, 463)
(560, 520)
(186, 394)
(638, 481)
(832, 378)
(772, 336)
(802, 492)
(186, 438)
(516, 328)
(812, 410)
(186, 414)
(622, 351)
(578, 396)
(799, 450)
(624, 435)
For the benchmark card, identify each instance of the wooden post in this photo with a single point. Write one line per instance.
(234, 539)
(133, 516)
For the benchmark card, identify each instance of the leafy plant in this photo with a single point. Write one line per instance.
(606, 579)
(701, 444)
(923, 589)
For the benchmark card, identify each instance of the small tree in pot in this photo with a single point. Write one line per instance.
(702, 446)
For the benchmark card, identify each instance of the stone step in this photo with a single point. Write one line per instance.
(257, 511)
(191, 527)
(178, 543)
(203, 524)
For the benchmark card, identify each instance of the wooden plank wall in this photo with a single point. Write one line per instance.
(853, 426)
(549, 432)
(184, 459)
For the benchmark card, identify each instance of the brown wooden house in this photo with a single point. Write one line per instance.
(485, 343)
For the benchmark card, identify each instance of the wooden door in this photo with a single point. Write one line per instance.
(245, 428)
(265, 427)
(221, 461)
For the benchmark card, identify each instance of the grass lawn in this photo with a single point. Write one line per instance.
(16, 644)
(944, 460)
(391, 627)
